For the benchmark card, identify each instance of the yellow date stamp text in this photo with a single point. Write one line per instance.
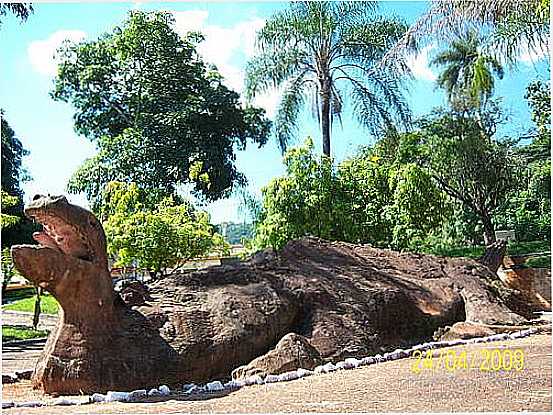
(485, 360)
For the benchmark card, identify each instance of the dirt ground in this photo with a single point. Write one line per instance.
(385, 387)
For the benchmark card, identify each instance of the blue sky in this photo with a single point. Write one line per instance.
(45, 127)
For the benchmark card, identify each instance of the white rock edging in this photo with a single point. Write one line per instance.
(217, 386)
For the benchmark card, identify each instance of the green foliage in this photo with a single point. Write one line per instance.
(300, 203)
(539, 262)
(510, 27)
(155, 111)
(7, 268)
(15, 227)
(468, 163)
(328, 53)
(527, 209)
(468, 74)
(8, 201)
(48, 304)
(159, 238)
(367, 199)
(12, 333)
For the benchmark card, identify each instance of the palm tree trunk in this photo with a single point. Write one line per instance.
(325, 120)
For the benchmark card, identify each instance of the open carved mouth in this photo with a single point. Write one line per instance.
(58, 233)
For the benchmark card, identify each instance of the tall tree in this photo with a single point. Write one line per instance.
(469, 163)
(13, 174)
(511, 27)
(468, 73)
(329, 52)
(158, 114)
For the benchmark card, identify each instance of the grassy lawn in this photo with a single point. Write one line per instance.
(521, 248)
(516, 248)
(48, 304)
(10, 333)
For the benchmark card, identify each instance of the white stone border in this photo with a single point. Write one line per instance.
(217, 386)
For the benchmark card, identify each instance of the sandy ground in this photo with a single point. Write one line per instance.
(385, 387)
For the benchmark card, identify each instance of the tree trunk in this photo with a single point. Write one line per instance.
(36, 311)
(489, 230)
(493, 256)
(325, 119)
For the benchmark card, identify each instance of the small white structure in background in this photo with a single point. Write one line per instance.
(508, 235)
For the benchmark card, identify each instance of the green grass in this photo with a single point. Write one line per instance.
(515, 248)
(521, 248)
(539, 262)
(48, 304)
(10, 333)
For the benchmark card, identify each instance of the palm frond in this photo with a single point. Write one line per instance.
(289, 107)
(271, 70)
(511, 26)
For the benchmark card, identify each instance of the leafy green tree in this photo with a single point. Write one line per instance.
(468, 74)
(7, 220)
(300, 203)
(370, 198)
(13, 174)
(528, 207)
(160, 239)
(538, 94)
(12, 157)
(469, 163)
(329, 52)
(154, 110)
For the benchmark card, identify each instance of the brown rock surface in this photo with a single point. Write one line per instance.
(291, 352)
(466, 330)
(348, 300)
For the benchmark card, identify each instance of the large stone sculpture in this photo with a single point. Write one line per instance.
(346, 300)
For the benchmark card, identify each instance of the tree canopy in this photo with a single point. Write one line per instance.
(469, 162)
(511, 27)
(329, 53)
(468, 74)
(158, 238)
(159, 115)
(15, 227)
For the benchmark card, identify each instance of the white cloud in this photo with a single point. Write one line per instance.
(222, 45)
(419, 65)
(41, 53)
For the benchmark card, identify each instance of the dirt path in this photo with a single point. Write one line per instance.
(21, 318)
(384, 387)
(19, 356)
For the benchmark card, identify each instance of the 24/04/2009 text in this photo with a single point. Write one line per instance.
(486, 360)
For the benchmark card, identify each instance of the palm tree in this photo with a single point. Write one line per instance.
(328, 52)
(511, 27)
(468, 74)
(21, 10)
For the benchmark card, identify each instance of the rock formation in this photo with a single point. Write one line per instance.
(347, 300)
(292, 352)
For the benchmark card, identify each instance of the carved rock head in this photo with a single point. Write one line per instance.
(71, 244)
(68, 228)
